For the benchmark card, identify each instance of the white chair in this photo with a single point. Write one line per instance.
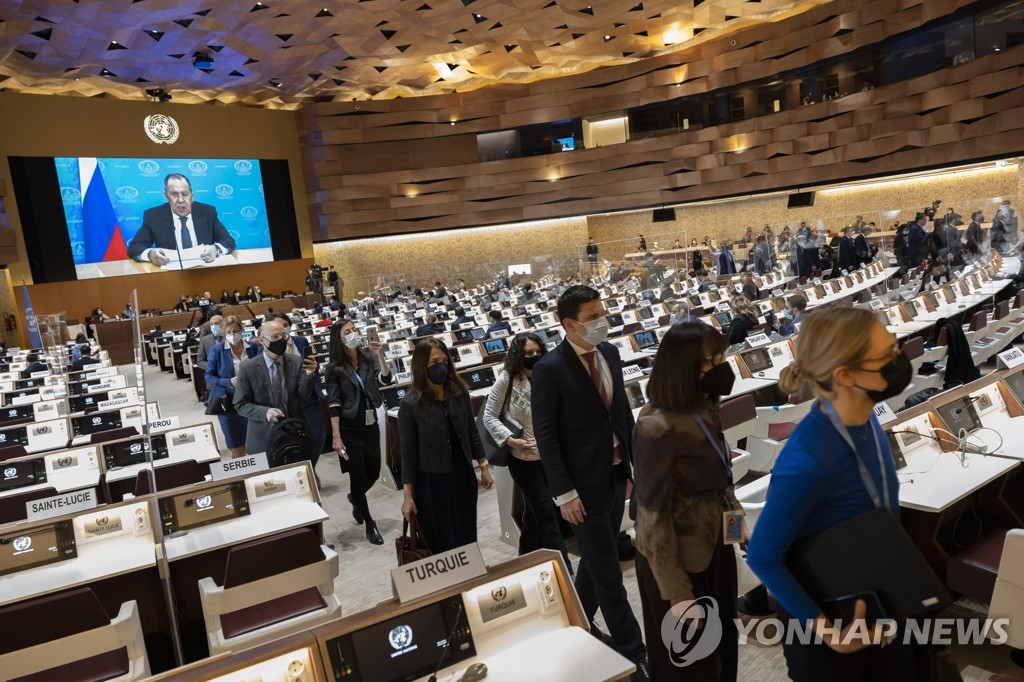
(739, 418)
(753, 497)
(1008, 596)
(272, 587)
(773, 427)
(71, 630)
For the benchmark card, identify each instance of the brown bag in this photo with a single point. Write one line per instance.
(412, 545)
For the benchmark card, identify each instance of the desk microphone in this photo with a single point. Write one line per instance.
(192, 500)
(967, 402)
(448, 643)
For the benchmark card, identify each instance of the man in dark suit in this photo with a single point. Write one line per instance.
(974, 233)
(34, 365)
(848, 251)
(460, 319)
(271, 386)
(207, 341)
(726, 265)
(861, 247)
(583, 426)
(917, 240)
(182, 224)
(85, 359)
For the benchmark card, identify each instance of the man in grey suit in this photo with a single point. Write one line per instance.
(272, 386)
(206, 341)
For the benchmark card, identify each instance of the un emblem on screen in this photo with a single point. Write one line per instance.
(224, 191)
(400, 637)
(248, 212)
(10, 472)
(22, 543)
(127, 193)
(70, 194)
(135, 448)
(161, 129)
(243, 167)
(149, 167)
(204, 501)
(97, 420)
(197, 167)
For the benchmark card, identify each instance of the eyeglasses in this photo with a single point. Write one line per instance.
(179, 195)
(715, 359)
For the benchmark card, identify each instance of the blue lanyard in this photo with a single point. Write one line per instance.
(865, 475)
(722, 454)
(366, 394)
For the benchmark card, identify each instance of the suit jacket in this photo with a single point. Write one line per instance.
(81, 363)
(848, 254)
(252, 396)
(974, 237)
(917, 245)
(862, 249)
(206, 342)
(220, 370)
(573, 428)
(726, 265)
(344, 394)
(158, 229)
(301, 344)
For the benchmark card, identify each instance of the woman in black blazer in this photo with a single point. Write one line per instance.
(354, 374)
(744, 318)
(439, 443)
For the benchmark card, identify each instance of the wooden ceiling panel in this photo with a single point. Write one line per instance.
(280, 53)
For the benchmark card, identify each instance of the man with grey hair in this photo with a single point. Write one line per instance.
(182, 224)
(271, 386)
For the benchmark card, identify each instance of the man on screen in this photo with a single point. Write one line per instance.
(186, 225)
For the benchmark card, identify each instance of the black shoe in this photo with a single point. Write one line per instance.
(373, 535)
(643, 672)
(357, 515)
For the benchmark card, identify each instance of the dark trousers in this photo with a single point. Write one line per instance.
(362, 443)
(599, 575)
(718, 580)
(540, 522)
(815, 662)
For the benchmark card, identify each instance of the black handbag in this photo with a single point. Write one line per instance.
(498, 455)
(220, 405)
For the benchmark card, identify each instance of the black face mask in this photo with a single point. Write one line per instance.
(897, 373)
(718, 380)
(278, 347)
(529, 362)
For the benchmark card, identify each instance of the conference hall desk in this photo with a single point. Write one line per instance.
(683, 255)
(945, 495)
(522, 619)
(117, 337)
(134, 267)
(110, 549)
(248, 508)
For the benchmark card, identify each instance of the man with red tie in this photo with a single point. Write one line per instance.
(182, 224)
(583, 426)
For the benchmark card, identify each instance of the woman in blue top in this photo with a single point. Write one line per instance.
(221, 374)
(837, 465)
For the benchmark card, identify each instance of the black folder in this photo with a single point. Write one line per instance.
(869, 555)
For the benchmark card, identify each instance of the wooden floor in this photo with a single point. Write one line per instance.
(364, 579)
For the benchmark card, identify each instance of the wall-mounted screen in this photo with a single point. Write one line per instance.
(87, 217)
(118, 210)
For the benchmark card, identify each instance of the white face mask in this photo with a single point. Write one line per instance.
(232, 339)
(351, 340)
(596, 331)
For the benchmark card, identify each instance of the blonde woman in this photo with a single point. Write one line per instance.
(836, 466)
(744, 318)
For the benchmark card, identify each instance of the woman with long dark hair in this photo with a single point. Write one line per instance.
(686, 508)
(512, 387)
(439, 443)
(354, 375)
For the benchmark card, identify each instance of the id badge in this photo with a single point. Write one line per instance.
(732, 527)
(371, 417)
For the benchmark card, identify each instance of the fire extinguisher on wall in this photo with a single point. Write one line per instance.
(10, 322)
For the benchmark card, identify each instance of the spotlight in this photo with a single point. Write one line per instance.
(159, 94)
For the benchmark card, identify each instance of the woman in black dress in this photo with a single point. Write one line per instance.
(439, 443)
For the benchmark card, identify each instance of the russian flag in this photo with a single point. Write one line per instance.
(103, 239)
